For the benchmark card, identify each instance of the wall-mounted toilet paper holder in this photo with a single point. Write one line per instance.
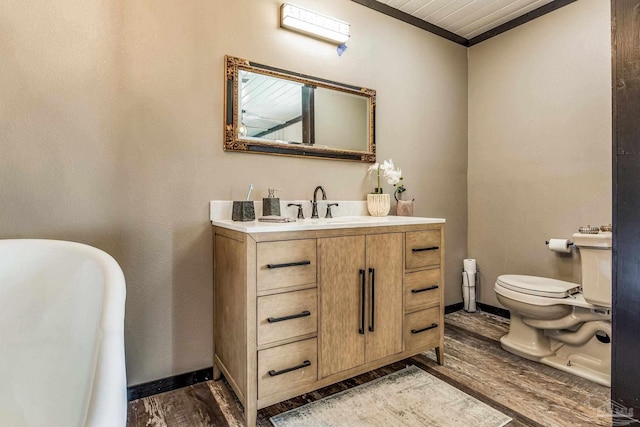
(569, 243)
(560, 245)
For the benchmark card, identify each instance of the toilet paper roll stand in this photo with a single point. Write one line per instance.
(472, 290)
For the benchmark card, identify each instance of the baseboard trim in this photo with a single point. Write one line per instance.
(498, 311)
(483, 307)
(170, 383)
(453, 308)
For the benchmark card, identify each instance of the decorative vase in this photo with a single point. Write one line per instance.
(378, 204)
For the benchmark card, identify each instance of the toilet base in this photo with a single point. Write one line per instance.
(573, 366)
(591, 360)
(525, 341)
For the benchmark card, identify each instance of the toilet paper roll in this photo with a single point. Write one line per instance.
(469, 291)
(469, 265)
(472, 299)
(559, 245)
(465, 290)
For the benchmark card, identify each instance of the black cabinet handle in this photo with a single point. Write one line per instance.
(293, 316)
(289, 264)
(284, 371)
(372, 272)
(417, 331)
(362, 308)
(430, 288)
(430, 248)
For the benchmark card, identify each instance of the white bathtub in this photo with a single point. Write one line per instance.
(61, 336)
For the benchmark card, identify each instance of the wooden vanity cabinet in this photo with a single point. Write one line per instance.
(299, 310)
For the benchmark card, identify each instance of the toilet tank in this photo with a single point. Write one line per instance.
(595, 252)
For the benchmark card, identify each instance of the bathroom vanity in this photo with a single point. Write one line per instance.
(299, 306)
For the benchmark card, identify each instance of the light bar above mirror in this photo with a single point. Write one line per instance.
(306, 21)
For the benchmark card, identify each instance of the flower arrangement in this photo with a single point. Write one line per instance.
(389, 172)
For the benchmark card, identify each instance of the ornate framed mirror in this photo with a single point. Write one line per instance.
(273, 111)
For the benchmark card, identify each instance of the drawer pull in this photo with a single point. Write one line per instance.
(430, 288)
(289, 264)
(284, 371)
(430, 248)
(293, 316)
(417, 331)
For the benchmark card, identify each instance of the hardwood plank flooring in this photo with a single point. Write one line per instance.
(531, 393)
(479, 324)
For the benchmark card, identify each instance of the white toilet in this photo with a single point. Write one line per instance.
(562, 324)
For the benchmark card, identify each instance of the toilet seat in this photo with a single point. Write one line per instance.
(538, 286)
(576, 300)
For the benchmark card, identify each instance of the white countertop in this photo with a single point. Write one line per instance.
(347, 221)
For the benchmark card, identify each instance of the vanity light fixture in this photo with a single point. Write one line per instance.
(306, 21)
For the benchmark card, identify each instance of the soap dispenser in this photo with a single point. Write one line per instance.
(271, 204)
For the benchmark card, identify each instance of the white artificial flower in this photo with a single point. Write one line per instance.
(387, 165)
(393, 176)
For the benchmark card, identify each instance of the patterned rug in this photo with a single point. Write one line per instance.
(410, 397)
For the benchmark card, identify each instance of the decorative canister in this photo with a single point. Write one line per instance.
(243, 210)
(378, 204)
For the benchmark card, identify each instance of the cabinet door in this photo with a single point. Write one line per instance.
(384, 295)
(340, 261)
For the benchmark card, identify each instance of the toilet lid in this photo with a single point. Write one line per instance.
(539, 286)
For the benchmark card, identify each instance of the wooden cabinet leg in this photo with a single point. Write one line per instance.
(217, 373)
(250, 415)
(440, 355)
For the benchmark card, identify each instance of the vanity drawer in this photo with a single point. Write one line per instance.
(422, 329)
(287, 366)
(287, 315)
(286, 263)
(422, 248)
(422, 289)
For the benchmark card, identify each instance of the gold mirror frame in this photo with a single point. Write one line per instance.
(233, 141)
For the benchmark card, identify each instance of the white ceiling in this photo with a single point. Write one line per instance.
(466, 18)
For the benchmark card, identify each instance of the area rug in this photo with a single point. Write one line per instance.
(409, 397)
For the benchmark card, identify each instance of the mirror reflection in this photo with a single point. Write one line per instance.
(271, 108)
(278, 112)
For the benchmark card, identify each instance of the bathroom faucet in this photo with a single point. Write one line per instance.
(314, 203)
(328, 214)
(299, 205)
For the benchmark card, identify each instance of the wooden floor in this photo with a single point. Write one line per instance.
(531, 393)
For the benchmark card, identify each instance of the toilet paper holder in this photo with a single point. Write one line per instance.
(569, 243)
(568, 248)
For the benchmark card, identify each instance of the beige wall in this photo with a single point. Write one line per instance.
(539, 141)
(111, 134)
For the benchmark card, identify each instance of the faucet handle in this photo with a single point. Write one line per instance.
(328, 215)
(299, 205)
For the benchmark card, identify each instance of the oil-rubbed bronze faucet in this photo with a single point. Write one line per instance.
(299, 205)
(314, 202)
(328, 214)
